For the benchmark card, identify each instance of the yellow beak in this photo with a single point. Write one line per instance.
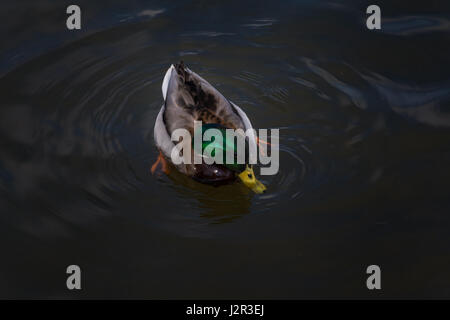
(248, 178)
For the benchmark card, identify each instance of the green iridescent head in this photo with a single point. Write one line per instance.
(227, 144)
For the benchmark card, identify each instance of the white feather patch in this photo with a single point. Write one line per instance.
(248, 125)
(162, 138)
(165, 84)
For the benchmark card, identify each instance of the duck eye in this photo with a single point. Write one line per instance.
(249, 175)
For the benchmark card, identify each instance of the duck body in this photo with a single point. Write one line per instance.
(188, 98)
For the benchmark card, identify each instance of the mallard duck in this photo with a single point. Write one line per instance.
(188, 98)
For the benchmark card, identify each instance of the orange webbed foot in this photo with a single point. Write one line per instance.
(261, 142)
(164, 165)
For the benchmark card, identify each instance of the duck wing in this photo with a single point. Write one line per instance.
(189, 97)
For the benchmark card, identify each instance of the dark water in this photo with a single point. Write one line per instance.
(364, 174)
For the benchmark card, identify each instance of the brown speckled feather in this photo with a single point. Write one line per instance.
(190, 97)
